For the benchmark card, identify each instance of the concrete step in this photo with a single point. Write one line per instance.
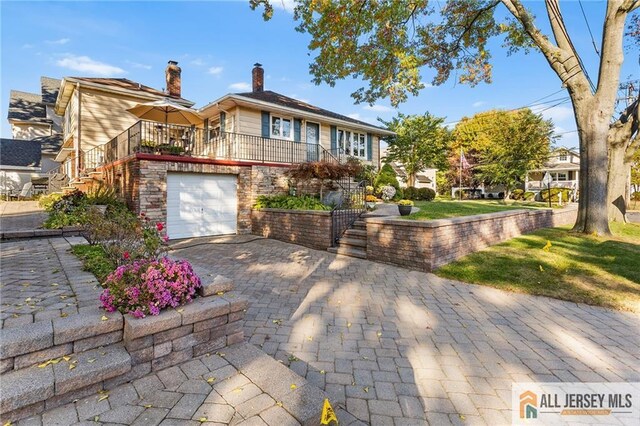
(353, 242)
(28, 386)
(348, 251)
(359, 224)
(356, 233)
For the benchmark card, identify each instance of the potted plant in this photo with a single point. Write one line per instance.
(166, 149)
(404, 207)
(370, 200)
(146, 147)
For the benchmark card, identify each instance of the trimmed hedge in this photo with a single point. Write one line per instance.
(566, 194)
(419, 194)
(289, 202)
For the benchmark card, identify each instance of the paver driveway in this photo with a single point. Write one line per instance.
(393, 345)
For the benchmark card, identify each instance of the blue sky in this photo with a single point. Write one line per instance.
(216, 44)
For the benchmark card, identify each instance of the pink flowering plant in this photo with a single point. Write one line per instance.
(145, 287)
(154, 238)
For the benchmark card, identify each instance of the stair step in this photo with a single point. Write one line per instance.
(27, 386)
(348, 251)
(356, 233)
(359, 224)
(353, 242)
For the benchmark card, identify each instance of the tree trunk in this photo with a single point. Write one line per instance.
(593, 215)
(411, 180)
(619, 170)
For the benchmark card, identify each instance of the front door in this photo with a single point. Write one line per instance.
(313, 142)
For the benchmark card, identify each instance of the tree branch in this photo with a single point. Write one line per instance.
(612, 54)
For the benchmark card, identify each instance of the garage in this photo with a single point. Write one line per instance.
(200, 205)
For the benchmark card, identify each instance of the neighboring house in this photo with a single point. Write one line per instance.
(563, 166)
(27, 116)
(424, 179)
(201, 180)
(19, 164)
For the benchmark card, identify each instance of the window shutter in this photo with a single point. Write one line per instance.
(265, 124)
(223, 121)
(334, 140)
(297, 124)
(369, 146)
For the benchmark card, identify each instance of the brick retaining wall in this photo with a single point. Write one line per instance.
(307, 228)
(427, 245)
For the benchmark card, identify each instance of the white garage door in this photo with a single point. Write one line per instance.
(201, 204)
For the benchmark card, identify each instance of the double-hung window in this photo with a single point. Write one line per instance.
(352, 143)
(281, 127)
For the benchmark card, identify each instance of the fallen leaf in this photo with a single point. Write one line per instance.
(8, 423)
(293, 358)
(55, 284)
(181, 310)
(309, 338)
(202, 419)
(322, 372)
(103, 397)
(547, 246)
(104, 318)
(211, 379)
(462, 417)
(279, 403)
(379, 333)
(541, 268)
(91, 360)
(66, 357)
(293, 386)
(147, 406)
(220, 354)
(348, 324)
(44, 364)
(63, 297)
(96, 418)
(28, 299)
(277, 321)
(55, 361)
(237, 390)
(64, 315)
(72, 366)
(366, 389)
(220, 293)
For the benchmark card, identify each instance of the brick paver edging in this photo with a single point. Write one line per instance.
(427, 245)
(309, 228)
(67, 231)
(108, 349)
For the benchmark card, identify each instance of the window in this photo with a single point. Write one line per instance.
(281, 128)
(562, 157)
(352, 143)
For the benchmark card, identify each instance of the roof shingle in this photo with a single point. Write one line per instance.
(50, 88)
(25, 106)
(50, 144)
(125, 83)
(20, 153)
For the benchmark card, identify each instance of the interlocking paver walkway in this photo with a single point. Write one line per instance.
(393, 345)
(40, 280)
(20, 215)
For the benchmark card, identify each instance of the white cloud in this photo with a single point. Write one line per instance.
(88, 65)
(28, 46)
(59, 41)
(478, 104)
(245, 87)
(287, 5)
(355, 116)
(139, 65)
(197, 62)
(378, 108)
(558, 113)
(215, 70)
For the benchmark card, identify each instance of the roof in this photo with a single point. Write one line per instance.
(24, 106)
(285, 101)
(560, 166)
(50, 144)
(50, 88)
(19, 153)
(423, 179)
(126, 84)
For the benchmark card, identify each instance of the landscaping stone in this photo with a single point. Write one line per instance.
(215, 286)
(24, 387)
(135, 328)
(97, 341)
(82, 326)
(27, 360)
(203, 309)
(29, 338)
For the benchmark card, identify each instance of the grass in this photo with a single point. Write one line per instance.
(94, 260)
(442, 209)
(578, 268)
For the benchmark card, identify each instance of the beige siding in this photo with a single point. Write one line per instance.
(104, 116)
(71, 116)
(250, 122)
(29, 131)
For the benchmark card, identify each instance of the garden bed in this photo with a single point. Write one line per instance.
(444, 209)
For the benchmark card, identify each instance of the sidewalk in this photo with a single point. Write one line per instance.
(21, 215)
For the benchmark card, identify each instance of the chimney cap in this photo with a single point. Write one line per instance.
(172, 62)
(257, 65)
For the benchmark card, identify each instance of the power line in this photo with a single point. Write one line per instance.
(595, 47)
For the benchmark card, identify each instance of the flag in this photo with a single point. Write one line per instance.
(464, 162)
(328, 415)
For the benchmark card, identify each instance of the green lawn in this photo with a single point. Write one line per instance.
(442, 209)
(94, 260)
(577, 267)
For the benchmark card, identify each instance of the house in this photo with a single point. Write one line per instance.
(199, 179)
(19, 164)
(31, 115)
(564, 168)
(424, 178)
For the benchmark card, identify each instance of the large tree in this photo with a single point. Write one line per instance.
(386, 43)
(505, 144)
(420, 142)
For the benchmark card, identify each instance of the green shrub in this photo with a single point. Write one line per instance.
(566, 193)
(103, 194)
(95, 260)
(419, 194)
(288, 202)
(635, 196)
(386, 176)
(47, 201)
(528, 196)
(517, 194)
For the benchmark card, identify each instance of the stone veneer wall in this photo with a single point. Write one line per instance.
(308, 228)
(124, 178)
(427, 245)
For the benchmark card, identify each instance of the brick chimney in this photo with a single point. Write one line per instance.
(257, 77)
(173, 79)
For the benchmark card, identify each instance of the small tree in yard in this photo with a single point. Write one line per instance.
(323, 171)
(420, 142)
(505, 144)
(387, 43)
